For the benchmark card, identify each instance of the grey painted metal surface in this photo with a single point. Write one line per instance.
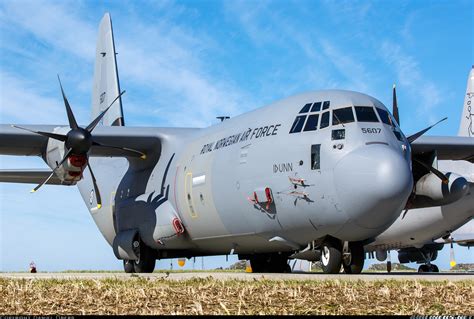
(323, 163)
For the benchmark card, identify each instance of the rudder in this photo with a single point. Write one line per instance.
(466, 127)
(106, 86)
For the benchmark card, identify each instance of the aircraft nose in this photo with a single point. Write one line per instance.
(373, 184)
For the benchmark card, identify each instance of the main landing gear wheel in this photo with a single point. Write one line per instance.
(353, 262)
(428, 268)
(331, 256)
(271, 263)
(146, 259)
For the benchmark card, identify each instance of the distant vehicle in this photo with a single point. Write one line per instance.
(314, 176)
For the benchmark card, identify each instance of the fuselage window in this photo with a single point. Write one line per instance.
(312, 123)
(384, 116)
(316, 107)
(298, 124)
(338, 134)
(326, 105)
(344, 115)
(315, 156)
(324, 120)
(365, 114)
(305, 108)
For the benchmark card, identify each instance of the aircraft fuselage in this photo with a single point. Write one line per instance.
(273, 179)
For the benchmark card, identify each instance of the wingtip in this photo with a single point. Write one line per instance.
(33, 191)
(394, 86)
(143, 157)
(99, 206)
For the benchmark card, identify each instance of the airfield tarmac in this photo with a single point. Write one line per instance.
(300, 276)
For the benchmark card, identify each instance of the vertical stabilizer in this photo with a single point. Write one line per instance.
(466, 128)
(106, 85)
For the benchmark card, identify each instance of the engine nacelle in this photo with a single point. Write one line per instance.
(431, 191)
(71, 170)
(424, 254)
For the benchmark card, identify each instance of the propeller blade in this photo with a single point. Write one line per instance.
(452, 261)
(415, 136)
(96, 188)
(58, 137)
(54, 170)
(70, 115)
(433, 170)
(130, 151)
(395, 106)
(96, 121)
(44, 182)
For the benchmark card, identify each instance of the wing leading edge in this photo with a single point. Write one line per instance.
(446, 147)
(148, 140)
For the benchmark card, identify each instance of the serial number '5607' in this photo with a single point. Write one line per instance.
(371, 130)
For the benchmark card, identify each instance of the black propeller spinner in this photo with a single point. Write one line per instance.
(78, 141)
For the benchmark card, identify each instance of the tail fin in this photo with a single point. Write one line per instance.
(106, 85)
(466, 128)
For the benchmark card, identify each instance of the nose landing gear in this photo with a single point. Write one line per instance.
(145, 262)
(331, 256)
(349, 255)
(353, 258)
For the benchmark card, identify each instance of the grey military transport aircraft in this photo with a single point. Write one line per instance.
(315, 175)
(416, 231)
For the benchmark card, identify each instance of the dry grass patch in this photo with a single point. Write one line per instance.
(210, 296)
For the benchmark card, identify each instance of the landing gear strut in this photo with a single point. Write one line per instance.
(145, 262)
(428, 266)
(353, 258)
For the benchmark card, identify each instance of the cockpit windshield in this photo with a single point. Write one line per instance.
(317, 115)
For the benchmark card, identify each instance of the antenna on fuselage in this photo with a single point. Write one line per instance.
(223, 118)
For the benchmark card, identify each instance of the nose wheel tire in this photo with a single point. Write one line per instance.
(146, 259)
(355, 262)
(331, 257)
(128, 266)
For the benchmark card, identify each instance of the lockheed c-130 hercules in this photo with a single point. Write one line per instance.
(318, 174)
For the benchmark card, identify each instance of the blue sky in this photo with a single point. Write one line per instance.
(184, 63)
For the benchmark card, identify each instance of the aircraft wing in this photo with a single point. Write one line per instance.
(14, 141)
(147, 140)
(447, 147)
(30, 176)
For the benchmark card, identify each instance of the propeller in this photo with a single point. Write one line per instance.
(415, 136)
(78, 141)
(395, 106)
(452, 261)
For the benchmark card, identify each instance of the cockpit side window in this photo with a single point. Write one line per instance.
(365, 114)
(341, 116)
(324, 120)
(326, 105)
(384, 116)
(298, 124)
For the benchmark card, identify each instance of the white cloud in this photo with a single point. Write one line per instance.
(411, 78)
